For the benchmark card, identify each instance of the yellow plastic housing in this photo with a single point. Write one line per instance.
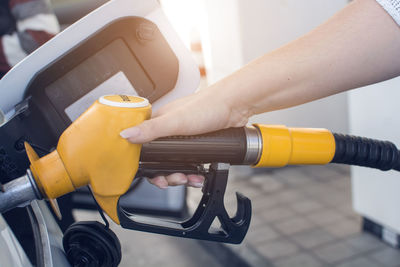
(283, 146)
(91, 152)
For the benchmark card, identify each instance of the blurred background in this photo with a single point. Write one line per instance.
(303, 216)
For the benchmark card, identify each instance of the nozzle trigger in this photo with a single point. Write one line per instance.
(199, 226)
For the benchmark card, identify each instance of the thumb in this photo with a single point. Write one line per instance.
(149, 130)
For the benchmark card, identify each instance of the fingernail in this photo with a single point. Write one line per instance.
(162, 186)
(197, 185)
(161, 182)
(130, 133)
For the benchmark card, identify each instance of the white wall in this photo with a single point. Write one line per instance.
(240, 31)
(268, 24)
(374, 113)
(221, 38)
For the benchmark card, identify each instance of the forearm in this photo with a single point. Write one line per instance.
(358, 46)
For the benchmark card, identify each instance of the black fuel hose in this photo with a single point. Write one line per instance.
(361, 151)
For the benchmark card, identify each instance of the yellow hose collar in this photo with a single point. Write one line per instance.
(283, 146)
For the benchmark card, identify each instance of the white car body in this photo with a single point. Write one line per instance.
(14, 84)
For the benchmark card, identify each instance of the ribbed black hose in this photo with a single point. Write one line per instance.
(361, 151)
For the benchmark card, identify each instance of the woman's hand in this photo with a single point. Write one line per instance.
(199, 113)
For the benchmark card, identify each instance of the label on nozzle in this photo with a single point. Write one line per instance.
(124, 101)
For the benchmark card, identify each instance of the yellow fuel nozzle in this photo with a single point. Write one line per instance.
(91, 152)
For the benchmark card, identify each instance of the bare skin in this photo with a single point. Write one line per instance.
(360, 45)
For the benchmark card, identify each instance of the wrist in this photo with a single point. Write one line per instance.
(231, 99)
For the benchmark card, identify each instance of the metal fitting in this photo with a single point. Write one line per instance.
(19, 192)
(254, 145)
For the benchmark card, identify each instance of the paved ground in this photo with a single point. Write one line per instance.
(302, 216)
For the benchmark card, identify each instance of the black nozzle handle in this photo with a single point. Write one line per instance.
(234, 146)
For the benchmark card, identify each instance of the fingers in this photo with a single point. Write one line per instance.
(150, 130)
(177, 179)
(159, 181)
(195, 114)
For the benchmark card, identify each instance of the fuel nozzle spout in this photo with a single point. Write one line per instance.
(19, 192)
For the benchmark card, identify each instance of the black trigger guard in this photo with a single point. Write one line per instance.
(199, 226)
